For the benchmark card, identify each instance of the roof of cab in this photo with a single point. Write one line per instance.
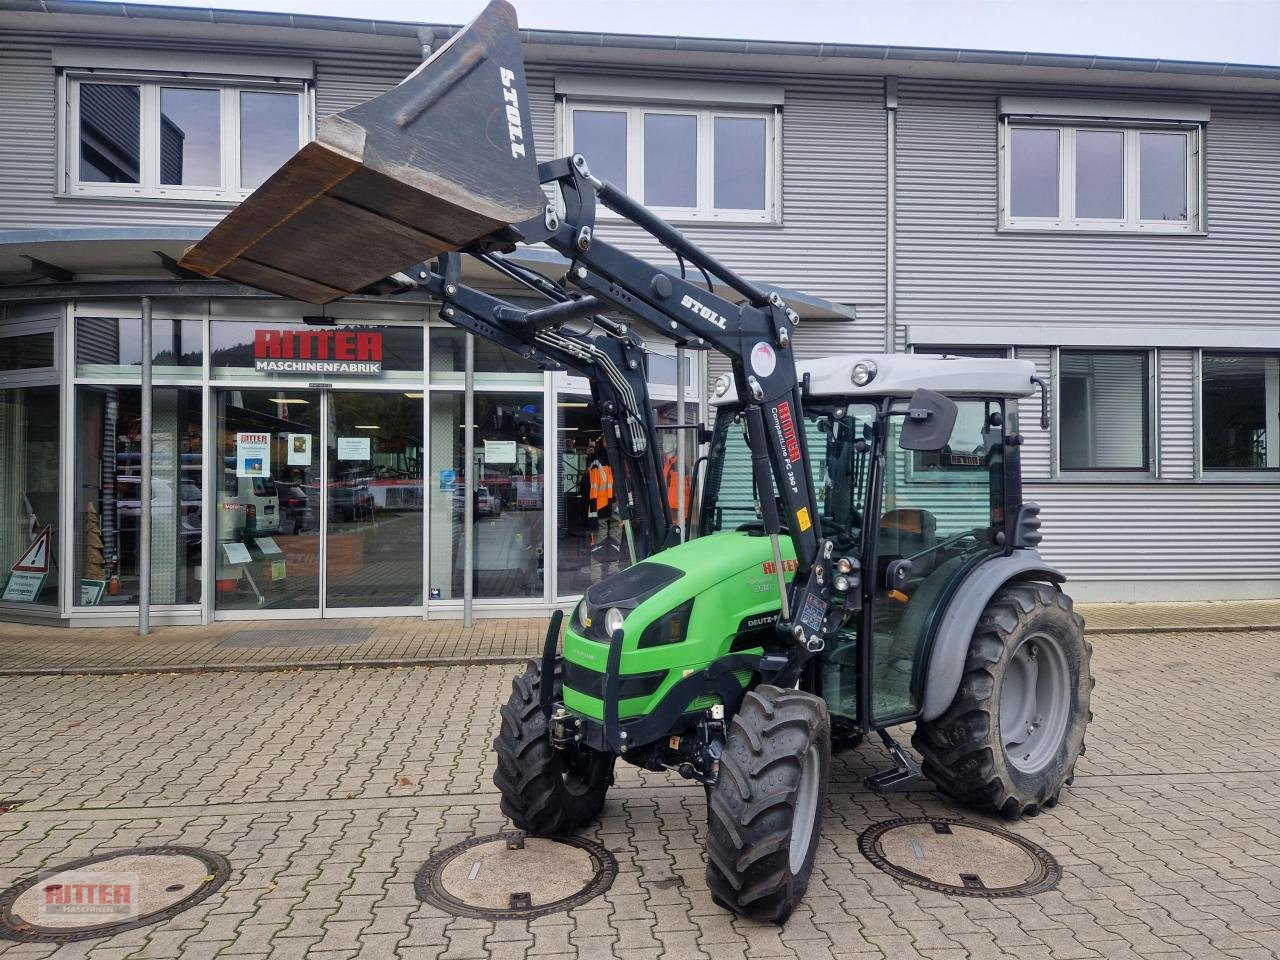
(901, 374)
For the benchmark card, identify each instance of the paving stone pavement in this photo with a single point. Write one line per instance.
(326, 790)
(31, 648)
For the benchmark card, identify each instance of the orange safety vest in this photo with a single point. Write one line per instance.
(671, 472)
(600, 476)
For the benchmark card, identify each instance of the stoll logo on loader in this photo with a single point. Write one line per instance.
(515, 124)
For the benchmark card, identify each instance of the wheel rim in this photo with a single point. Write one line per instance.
(805, 810)
(1035, 702)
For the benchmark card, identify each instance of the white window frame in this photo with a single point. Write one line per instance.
(228, 190)
(1151, 414)
(1131, 222)
(705, 209)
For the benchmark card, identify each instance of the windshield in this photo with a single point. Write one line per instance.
(839, 453)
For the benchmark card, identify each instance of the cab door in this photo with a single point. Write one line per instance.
(939, 513)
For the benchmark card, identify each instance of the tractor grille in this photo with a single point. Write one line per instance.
(588, 682)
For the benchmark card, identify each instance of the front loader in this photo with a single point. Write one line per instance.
(866, 557)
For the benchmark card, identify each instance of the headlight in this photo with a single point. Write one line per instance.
(613, 618)
(723, 383)
(580, 617)
(864, 371)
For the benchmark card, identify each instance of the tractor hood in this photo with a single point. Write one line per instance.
(653, 587)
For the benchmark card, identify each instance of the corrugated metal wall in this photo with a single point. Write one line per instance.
(954, 267)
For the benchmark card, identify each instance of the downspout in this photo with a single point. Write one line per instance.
(891, 216)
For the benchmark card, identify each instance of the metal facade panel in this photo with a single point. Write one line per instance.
(343, 82)
(1036, 445)
(1161, 531)
(831, 242)
(955, 267)
(1176, 414)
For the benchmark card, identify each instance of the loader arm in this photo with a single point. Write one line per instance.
(613, 362)
(755, 335)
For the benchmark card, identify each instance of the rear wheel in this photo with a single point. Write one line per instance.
(765, 810)
(544, 790)
(1010, 740)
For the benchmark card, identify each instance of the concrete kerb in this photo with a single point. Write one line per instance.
(197, 667)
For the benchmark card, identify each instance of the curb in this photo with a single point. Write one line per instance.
(479, 661)
(1199, 628)
(283, 666)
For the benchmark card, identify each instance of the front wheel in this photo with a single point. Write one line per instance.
(1010, 740)
(545, 791)
(765, 810)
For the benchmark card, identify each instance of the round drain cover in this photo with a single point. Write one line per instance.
(512, 876)
(959, 857)
(109, 893)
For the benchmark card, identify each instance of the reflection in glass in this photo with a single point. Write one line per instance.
(508, 496)
(108, 486)
(1100, 174)
(110, 148)
(190, 137)
(1163, 172)
(268, 134)
(31, 351)
(112, 346)
(670, 160)
(739, 163)
(374, 541)
(269, 499)
(1241, 411)
(448, 357)
(1104, 411)
(30, 469)
(601, 137)
(1033, 172)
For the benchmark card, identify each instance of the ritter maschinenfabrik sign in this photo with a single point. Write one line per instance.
(317, 351)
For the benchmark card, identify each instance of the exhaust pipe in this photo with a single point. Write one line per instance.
(443, 159)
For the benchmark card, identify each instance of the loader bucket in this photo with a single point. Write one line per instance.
(441, 160)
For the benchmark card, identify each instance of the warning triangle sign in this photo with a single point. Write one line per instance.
(36, 557)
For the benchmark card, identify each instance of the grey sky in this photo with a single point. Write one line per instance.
(1241, 31)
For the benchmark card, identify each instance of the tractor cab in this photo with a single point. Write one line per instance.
(918, 519)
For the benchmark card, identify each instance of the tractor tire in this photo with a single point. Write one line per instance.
(545, 791)
(765, 810)
(1009, 742)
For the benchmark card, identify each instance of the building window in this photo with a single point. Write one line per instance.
(1089, 177)
(1103, 422)
(1240, 410)
(30, 470)
(178, 139)
(686, 163)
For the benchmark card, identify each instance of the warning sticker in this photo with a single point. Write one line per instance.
(802, 518)
(813, 612)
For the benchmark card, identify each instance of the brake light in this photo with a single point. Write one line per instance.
(250, 513)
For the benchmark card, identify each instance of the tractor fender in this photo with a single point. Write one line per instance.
(955, 628)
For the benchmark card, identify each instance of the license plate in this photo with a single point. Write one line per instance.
(270, 510)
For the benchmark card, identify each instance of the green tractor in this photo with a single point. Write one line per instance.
(951, 620)
(865, 558)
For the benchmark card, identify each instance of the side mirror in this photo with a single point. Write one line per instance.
(929, 421)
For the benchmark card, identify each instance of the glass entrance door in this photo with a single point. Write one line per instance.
(269, 503)
(319, 502)
(373, 533)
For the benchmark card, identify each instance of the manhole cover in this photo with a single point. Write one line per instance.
(511, 876)
(959, 857)
(109, 893)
